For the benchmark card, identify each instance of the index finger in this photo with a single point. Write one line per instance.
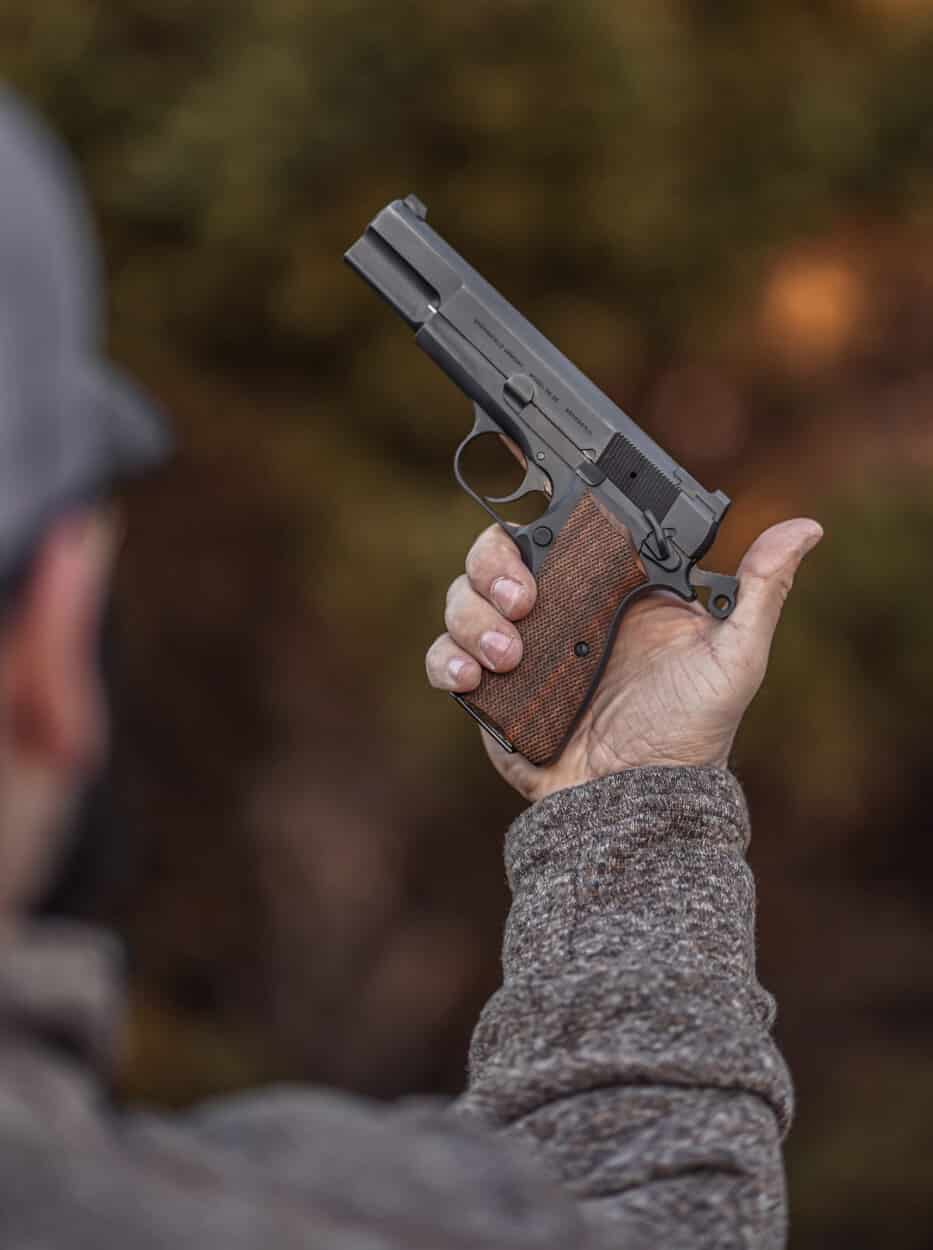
(498, 573)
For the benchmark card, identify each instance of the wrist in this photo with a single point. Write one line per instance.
(583, 763)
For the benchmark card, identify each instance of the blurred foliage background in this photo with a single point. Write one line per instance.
(724, 213)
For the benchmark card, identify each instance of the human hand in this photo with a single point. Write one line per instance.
(677, 682)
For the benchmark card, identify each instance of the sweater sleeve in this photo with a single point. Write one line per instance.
(629, 1047)
(625, 1070)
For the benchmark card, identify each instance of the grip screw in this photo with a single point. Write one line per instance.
(582, 649)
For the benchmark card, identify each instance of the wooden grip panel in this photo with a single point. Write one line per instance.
(591, 568)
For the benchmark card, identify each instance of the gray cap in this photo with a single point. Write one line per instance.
(70, 424)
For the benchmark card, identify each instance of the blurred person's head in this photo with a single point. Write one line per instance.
(70, 428)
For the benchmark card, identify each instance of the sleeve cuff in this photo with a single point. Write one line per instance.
(635, 808)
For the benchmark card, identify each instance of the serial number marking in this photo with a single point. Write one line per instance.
(506, 351)
(558, 400)
(579, 420)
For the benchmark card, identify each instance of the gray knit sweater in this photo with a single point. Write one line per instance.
(623, 1091)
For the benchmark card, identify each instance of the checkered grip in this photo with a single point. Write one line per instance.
(590, 569)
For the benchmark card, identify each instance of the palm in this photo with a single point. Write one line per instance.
(667, 664)
(677, 682)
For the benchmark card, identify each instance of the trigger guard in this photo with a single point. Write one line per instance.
(534, 481)
(484, 424)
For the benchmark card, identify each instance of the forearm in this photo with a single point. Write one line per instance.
(629, 1044)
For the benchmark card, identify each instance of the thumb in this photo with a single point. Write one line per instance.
(766, 575)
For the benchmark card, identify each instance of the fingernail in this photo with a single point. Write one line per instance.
(507, 594)
(495, 646)
(456, 668)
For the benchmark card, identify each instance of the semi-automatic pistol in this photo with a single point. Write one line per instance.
(622, 516)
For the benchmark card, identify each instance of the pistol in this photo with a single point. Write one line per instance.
(622, 517)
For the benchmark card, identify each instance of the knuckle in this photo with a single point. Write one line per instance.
(491, 555)
(785, 580)
(455, 591)
(457, 614)
(754, 572)
(479, 552)
(434, 657)
(477, 561)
